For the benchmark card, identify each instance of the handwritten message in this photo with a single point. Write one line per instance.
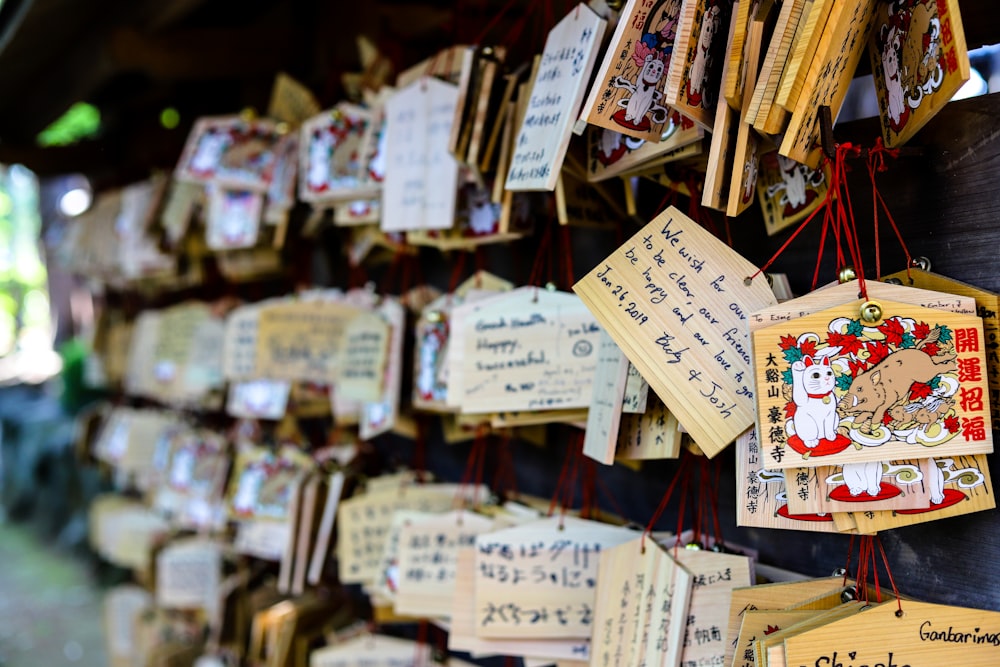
(301, 340)
(364, 348)
(642, 596)
(674, 299)
(529, 349)
(421, 177)
(556, 95)
(540, 579)
(636, 391)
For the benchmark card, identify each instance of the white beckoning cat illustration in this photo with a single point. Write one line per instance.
(815, 405)
(863, 477)
(935, 480)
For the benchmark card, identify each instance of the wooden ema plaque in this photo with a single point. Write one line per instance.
(771, 597)
(959, 485)
(860, 487)
(802, 52)
(539, 580)
(529, 349)
(725, 127)
(642, 602)
(830, 72)
(788, 191)
(840, 382)
(763, 113)
(419, 191)
(556, 95)
(628, 92)
(611, 153)
(605, 412)
(761, 496)
(926, 635)
(674, 300)
(919, 60)
(695, 76)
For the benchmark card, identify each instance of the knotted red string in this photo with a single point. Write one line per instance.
(681, 470)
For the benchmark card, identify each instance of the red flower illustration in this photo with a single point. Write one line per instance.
(893, 331)
(919, 391)
(848, 344)
(787, 342)
(951, 423)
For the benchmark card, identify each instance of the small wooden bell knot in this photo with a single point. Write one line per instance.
(893, 281)
(847, 274)
(615, 5)
(434, 316)
(248, 115)
(282, 128)
(551, 286)
(921, 263)
(871, 312)
(899, 613)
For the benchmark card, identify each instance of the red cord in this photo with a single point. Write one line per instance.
(681, 469)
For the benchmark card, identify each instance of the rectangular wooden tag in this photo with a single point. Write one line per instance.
(714, 576)
(605, 412)
(642, 602)
(301, 340)
(556, 95)
(841, 47)
(694, 80)
(627, 95)
(427, 561)
(653, 434)
(529, 349)
(673, 297)
(636, 392)
(539, 580)
(958, 485)
(919, 59)
(422, 181)
(769, 596)
(926, 634)
(363, 523)
(725, 125)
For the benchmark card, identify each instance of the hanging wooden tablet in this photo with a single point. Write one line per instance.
(924, 634)
(321, 549)
(674, 300)
(695, 76)
(714, 576)
(770, 648)
(529, 349)
(987, 306)
(803, 50)
(737, 56)
(539, 579)
(841, 47)
(788, 191)
(725, 124)
(331, 162)
(472, 63)
(761, 495)
(381, 415)
(427, 554)
(605, 410)
(583, 204)
(641, 606)
(743, 179)
(775, 596)
(919, 60)
(421, 176)
(230, 149)
(455, 358)
(628, 91)
(839, 377)
(486, 108)
(653, 434)
(636, 392)
(364, 353)
(464, 622)
(363, 522)
(188, 575)
(958, 485)
(611, 153)
(372, 650)
(859, 487)
(387, 574)
(766, 116)
(758, 624)
(556, 95)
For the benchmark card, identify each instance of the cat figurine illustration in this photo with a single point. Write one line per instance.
(935, 480)
(863, 478)
(815, 404)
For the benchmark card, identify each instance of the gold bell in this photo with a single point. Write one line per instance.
(847, 274)
(871, 312)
